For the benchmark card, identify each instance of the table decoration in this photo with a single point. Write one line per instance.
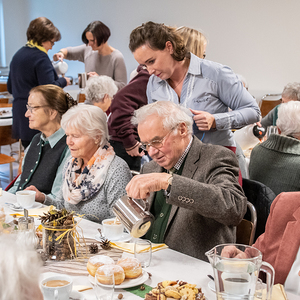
(129, 247)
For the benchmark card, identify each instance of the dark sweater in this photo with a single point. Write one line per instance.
(29, 67)
(125, 102)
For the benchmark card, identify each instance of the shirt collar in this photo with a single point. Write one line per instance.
(182, 157)
(54, 138)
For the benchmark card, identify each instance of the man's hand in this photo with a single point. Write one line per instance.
(142, 185)
(233, 252)
(135, 151)
(204, 120)
(39, 197)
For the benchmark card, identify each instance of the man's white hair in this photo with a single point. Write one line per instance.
(172, 114)
(97, 87)
(289, 118)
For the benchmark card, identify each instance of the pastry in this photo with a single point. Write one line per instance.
(102, 272)
(131, 266)
(97, 261)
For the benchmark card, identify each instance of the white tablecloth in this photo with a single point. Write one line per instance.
(166, 264)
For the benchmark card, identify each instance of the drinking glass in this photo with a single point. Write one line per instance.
(143, 252)
(271, 130)
(105, 291)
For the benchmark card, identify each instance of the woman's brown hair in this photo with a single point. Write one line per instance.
(99, 31)
(41, 30)
(55, 98)
(156, 35)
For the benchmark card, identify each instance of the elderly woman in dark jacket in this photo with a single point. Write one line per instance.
(31, 67)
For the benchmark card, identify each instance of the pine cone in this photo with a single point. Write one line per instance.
(105, 244)
(93, 248)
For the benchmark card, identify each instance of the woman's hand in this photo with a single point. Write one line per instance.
(135, 151)
(233, 252)
(58, 56)
(204, 120)
(39, 197)
(92, 74)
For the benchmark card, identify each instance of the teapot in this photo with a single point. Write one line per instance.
(61, 67)
(134, 215)
(237, 277)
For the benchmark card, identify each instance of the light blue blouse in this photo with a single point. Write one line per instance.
(210, 87)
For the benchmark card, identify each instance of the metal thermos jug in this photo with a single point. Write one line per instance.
(82, 79)
(136, 218)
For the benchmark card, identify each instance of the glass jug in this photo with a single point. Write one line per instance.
(236, 269)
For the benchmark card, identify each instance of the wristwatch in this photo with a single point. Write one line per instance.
(168, 190)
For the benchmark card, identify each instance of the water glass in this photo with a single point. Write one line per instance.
(271, 130)
(143, 252)
(105, 291)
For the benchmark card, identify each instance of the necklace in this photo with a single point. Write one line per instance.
(174, 87)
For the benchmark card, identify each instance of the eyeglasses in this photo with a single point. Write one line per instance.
(52, 43)
(32, 108)
(156, 143)
(204, 55)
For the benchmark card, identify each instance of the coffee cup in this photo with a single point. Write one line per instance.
(57, 287)
(236, 283)
(26, 198)
(112, 229)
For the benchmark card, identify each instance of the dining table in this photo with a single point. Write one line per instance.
(166, 264)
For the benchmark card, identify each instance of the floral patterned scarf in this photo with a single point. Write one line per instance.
(91, 179)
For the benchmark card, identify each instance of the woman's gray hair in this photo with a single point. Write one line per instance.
(89, 120)
(289, 118)
(171, 113)
(291, 91)
(97, 87)
(20, 268)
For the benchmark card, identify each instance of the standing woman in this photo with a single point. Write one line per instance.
(31, 67)
(97, 55)
(207, 88)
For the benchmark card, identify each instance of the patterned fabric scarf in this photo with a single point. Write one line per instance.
(91, 179)
(31, 44)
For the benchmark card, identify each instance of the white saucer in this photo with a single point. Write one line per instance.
(126, 237)
(34, 205)
(76, 296)
(212, 286)
(127, 283)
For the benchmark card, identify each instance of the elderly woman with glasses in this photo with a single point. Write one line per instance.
(47, 153)
(94, 178)
(31, 67)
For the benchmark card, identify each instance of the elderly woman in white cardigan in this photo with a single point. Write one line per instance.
(95, 177)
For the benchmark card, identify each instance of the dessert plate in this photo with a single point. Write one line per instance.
(76, 296)
(212, 286)
(126, 237)
(34, 205)
(127, 283)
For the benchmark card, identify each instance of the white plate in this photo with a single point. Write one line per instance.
(126, 237)
(212, 286)
(34, 205)
(127, 283)
(6, 113)
(76, 296)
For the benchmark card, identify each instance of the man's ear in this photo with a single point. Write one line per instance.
(182, 129)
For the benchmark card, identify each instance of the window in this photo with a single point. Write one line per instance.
(2, 38)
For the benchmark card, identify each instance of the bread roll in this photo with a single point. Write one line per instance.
(102, 272)
(97, 261)
(131, 266)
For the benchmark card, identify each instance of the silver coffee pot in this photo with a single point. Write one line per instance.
(134, 215)
(82, 79)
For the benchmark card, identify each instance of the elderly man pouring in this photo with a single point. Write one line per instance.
(192, 187)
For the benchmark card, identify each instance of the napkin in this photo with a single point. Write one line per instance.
(129, 247)
(35, 212)
(278, 293)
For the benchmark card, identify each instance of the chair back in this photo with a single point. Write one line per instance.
(245, 231)
(261, 197)
(268, 102)
(6, 136)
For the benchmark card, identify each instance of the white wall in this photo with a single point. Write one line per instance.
(258, 39)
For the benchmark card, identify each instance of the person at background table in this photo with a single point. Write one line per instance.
(94, 177)
(30, 67)
(280, 244)
(20, 269)
(291, 92)
(276, 161)
(207, 88)
(98, 56)
(99, 91)
(123, 134)
(196, 43)
(192, 187)
(47, 153)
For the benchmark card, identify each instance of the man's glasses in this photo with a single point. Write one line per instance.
(33, 108)
(156, 143)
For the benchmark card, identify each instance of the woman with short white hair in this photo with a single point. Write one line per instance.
(20, 269)
(95, 177)
(276, 161)
(99, 91)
